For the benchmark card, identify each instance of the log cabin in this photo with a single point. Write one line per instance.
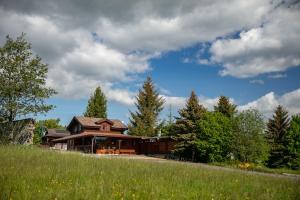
(107, 136)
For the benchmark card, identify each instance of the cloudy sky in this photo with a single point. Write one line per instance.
(247, 50)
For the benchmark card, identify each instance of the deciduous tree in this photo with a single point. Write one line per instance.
(42, 125)
(293, 145)
(214, 137)
(22, 81)
(248, 143)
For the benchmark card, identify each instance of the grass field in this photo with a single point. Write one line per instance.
(32, 173)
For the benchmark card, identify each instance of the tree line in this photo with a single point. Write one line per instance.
(221, 135)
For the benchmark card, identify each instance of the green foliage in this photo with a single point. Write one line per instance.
(41, 126)
(293, 145)
(225, 107)
(168, 126)
(22, 81)
(248, 143)
(185, 128)
(277, 137)
(189, 115)
(149, 104)
(214, 137)
(97, 105)
(34, 173)
(167, 129)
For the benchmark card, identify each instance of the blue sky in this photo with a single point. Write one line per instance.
(246, 50)
(174, 77)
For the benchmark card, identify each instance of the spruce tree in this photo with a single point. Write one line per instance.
(149, 104)
(225, 107)
(277, 136)
(185, 127)
(97, 105)
(167, 127)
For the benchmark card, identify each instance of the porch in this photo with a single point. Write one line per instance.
(102, 143)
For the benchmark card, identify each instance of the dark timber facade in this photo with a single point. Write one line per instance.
(106, 136)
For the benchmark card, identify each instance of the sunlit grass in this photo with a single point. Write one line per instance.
(32, 173)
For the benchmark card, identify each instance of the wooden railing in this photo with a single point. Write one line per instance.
(83, 148)
(115, 151)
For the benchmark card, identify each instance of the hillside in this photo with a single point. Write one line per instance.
(32, 173)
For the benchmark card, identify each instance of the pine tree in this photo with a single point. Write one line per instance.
(97, 105)
(149, 104)
(185, 127)
(225, 107)
(277, 136)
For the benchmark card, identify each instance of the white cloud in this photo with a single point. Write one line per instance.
(257, 81)
(276, 76)
(110, 43)
(267, 103)
(272, 47)
(180, 102)
(164, 28)
(77, 64)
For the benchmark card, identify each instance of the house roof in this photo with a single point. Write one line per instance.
(57, 133)
(94, 122)
(92, 134)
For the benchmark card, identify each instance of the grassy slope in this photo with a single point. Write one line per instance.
(31, 173)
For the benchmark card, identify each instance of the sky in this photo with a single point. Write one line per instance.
(246, 50)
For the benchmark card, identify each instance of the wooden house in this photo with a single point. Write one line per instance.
(52, 134)
(106, 136)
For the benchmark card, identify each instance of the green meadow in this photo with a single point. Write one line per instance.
(33, 173)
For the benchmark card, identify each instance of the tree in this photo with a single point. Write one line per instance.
(185, 127)
(293, 143)
(42, 125)
(277, 136)
(149, 104)
(22, 80)
(97, 105)
(225, 107)
(214, 137)
(168, 125)
(248, 143)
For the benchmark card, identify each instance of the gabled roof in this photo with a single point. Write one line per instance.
(57, 133)
(104, 120)
(94, 122)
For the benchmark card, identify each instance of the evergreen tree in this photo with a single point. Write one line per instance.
(185, 127)
(225, 107)
(167, 127)
(22, 81)
(97, 105)
(293, 145)
(149, 104)
(277, 136)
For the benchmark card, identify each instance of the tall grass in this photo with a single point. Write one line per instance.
(32, 173)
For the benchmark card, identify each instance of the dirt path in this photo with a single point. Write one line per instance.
(202, 165)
